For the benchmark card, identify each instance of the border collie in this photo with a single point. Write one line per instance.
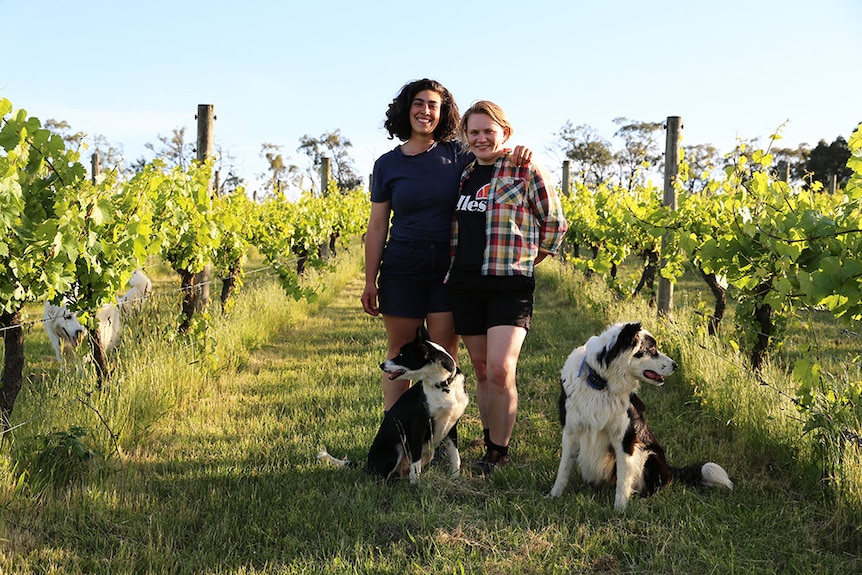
(424, 417)
(604, 429)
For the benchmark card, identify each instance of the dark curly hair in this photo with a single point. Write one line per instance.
(398, 115)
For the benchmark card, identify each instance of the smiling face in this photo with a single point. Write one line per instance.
(485, 137)
(425, 113)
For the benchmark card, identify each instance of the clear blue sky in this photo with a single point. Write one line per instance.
(275, 71)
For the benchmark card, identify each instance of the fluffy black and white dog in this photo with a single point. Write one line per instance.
(604, 429)
(424, 417)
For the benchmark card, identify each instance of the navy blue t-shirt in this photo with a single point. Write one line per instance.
(423, 190)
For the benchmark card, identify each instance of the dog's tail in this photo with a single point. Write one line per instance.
(707, 474)
(325, 456)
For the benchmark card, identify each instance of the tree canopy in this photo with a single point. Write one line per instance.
(336, 147)
(639, 146)
(826, 161)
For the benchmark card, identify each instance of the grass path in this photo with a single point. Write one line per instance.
(229, 483)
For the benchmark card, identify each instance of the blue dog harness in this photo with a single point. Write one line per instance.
(594, 380)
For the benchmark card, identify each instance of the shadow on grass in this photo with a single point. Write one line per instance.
(241, 491)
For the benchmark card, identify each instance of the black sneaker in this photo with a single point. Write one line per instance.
(491, 460)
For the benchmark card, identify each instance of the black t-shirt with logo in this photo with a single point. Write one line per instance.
(470, 213)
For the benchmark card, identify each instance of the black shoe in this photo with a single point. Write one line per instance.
(491, 460)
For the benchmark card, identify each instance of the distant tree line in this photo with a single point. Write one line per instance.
(594, 159)
(280, 176)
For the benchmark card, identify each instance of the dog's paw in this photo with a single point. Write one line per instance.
(324, 455)
(415, 470)
(620, 503)
(559, 486)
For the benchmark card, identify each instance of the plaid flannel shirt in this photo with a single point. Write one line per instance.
(524, 217)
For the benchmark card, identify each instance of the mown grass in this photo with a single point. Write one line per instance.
(215, 472)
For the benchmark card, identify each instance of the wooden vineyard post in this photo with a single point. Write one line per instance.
(325, 175)
(567, 178)
(205, 150)
(95, 166)
(671, 171)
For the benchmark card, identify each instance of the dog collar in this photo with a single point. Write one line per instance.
(444, 385)
(594, 380)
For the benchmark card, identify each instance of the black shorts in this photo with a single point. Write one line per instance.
(481, 302)
(410, 282)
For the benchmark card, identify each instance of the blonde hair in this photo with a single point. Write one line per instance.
(490, 109)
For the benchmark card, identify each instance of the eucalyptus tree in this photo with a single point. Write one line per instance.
(700, 160)
(174, 149)
(280, 175)
(641, 148)
(336, 147)
(826, 161)
(592, 154)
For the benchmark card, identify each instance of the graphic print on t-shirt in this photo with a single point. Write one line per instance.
(477, 203)
(471, 213)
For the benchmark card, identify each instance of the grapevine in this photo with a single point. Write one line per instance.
(780, 248)
(66, 237)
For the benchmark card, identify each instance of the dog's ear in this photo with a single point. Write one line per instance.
(629, 334)
(626, 339)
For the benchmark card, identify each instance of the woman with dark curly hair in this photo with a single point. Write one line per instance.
(416, 184)
(398, 122)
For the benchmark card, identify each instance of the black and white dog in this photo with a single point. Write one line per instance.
(602, 417)
(424, 417)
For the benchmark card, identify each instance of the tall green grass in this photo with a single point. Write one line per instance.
(214, 471)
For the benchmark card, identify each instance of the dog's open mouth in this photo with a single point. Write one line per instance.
(396, 374)
(649, 374)
(72, 339)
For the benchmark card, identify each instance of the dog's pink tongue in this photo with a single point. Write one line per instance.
(396, 375)
(653, 375)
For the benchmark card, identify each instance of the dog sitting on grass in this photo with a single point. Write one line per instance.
(424, 417)
(604, 429)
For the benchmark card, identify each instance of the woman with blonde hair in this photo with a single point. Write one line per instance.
(508, 218)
